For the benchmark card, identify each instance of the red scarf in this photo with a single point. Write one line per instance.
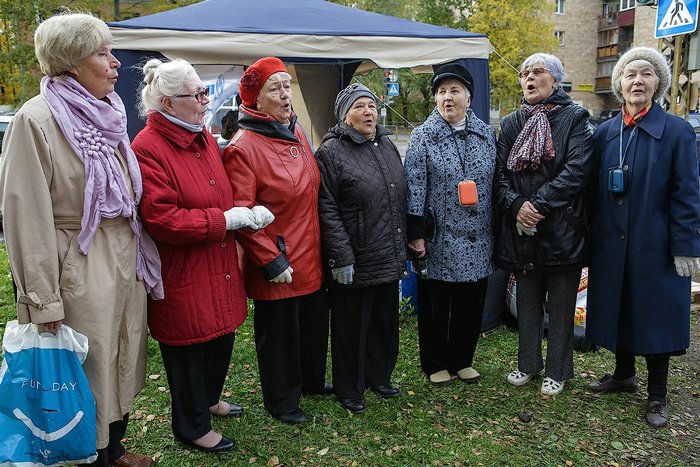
(631, 120)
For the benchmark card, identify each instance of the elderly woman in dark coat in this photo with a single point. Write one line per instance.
(544, 161)
(645, 232)
(362, 208)
(452, 236)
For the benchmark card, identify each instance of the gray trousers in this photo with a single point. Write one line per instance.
(559, 289)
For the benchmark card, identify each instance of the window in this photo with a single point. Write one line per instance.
(560, 7)
(626, 4)
(560, 37)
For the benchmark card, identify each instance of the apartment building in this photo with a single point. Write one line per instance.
(592, 36)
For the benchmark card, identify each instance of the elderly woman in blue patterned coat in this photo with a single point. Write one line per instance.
(544, 162)
(451, 238)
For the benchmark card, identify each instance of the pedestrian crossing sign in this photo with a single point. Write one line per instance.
(393, 89)
(675, 17)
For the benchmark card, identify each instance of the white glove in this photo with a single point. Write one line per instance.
(343, 275)
(686, 265)
(284, 276)
(237, 218)
(525, 230)
(263, 216)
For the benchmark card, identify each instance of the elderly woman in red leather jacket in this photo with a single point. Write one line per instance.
(270, 162)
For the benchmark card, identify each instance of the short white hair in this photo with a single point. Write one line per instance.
(163, 79)
(550, 62)
(64, 41)
(279, 76)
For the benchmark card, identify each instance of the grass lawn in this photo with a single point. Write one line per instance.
(459, 424)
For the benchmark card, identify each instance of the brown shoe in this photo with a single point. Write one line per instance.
(657, 415)
(131, 459)
(608, 384)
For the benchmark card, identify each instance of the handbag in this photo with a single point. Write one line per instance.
(47, 411)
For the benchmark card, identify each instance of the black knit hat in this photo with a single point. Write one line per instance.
(456, 71)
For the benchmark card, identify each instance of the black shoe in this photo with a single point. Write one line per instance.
(293, 417)
(224, 445)
(234, 410)
(657, 414)
(608, 384)
(327, 389)
(353, 405)
(386, 390)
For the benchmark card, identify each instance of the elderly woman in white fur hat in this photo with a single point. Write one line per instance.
(645, 232)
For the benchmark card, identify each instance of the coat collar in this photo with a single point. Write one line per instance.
(171, 131)
(443, 130)
(653, 123)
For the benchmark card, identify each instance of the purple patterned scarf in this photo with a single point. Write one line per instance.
(534, 143)
(94, 128)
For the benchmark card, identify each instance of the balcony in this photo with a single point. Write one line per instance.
(602, 85)
(608, 21)
(607, 51)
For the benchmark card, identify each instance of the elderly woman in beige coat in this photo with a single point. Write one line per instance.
(69, 191)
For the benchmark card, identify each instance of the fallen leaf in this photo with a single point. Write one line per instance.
(569, 463)
(411, 393)
(252, 460)
(150, 418)
(616, 445)
(273, 461)
(153, 377)
(322, 452)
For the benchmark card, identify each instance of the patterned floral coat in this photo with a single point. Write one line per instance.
(459, 239)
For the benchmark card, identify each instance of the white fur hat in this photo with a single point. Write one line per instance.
(654, 57)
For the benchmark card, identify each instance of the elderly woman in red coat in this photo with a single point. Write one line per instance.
(269, 162)
(187, 207)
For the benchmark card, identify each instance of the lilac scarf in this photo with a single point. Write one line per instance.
(94, 128)
(534, 143)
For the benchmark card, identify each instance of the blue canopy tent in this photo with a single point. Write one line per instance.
(324, 45)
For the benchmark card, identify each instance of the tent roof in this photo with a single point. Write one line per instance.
(241, 31)
(317, 17)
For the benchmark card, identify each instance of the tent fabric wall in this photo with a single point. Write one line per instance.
(325, 42)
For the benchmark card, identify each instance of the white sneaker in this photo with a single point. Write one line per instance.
(551, 387)
(518, 378)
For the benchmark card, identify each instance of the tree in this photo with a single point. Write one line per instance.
(19, 72)
(516, 30)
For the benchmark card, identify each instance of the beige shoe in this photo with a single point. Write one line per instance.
(441, 378)
(468, 375)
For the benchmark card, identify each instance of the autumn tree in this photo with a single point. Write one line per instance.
(516, 30)
(19, 72)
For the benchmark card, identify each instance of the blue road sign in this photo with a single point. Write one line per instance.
(393, 89)
(675, 17)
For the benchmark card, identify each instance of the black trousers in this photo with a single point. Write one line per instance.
(291, 340)
(196, 375)
(449, 323)
(364, 337)
(115, 449)
(657, 366)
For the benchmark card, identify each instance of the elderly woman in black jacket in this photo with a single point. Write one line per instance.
(544, 161)
(362, 208)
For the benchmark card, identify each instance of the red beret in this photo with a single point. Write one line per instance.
(255, 76)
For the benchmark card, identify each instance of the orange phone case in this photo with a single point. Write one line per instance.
(467, 193)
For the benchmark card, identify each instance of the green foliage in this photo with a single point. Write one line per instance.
(516, 29)
(19, 72)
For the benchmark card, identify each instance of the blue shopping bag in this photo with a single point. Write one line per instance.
(47, 412)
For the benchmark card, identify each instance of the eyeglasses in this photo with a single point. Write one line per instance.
(535, 71)
(198, 95)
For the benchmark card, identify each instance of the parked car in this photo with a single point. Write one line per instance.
(4, 121)
(694, 120)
